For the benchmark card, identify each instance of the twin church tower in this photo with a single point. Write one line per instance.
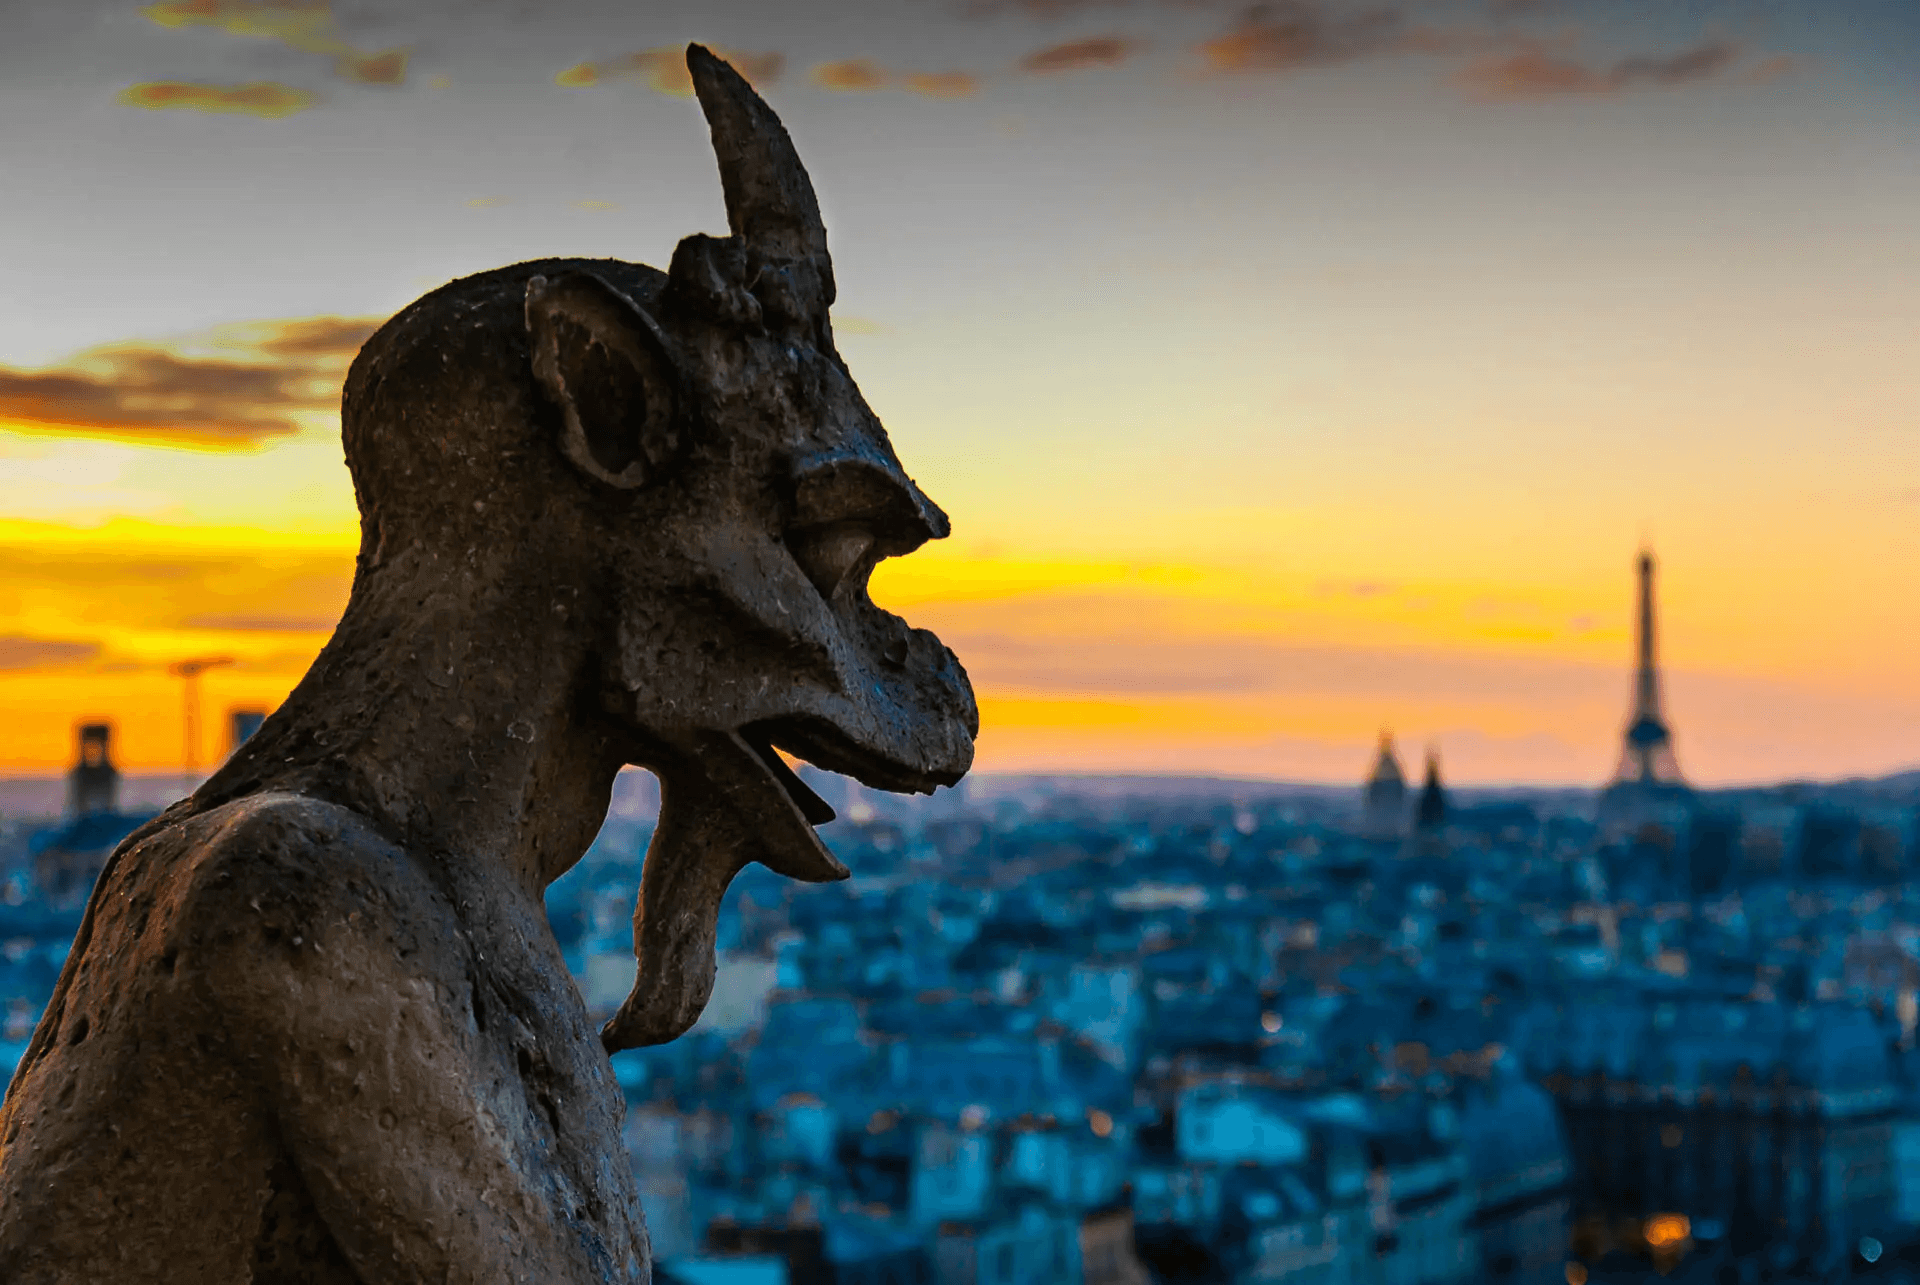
(1646, 786)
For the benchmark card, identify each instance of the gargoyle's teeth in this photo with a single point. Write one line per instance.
(815, 809)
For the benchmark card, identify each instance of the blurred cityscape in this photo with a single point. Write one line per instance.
(1131, 1030)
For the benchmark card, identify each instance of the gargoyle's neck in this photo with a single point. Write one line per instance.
(462, 724)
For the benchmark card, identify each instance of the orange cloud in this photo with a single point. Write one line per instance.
(336, 338)
(1532, 72)
(306, 25)
(303, 24)
(1292, 34)
(1078, 55)
(863, 75)
(254, 385)
(943, 84)
(256, 98)
(857, 74)
(665, 70)
(388, 68)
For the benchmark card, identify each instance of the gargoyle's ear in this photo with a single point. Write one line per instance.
(611, 372)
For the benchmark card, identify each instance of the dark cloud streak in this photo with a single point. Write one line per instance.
(1080, 55)
(1531, 72)
(144, 392)
(1290, 35)
(18, 652)
(1046, 10)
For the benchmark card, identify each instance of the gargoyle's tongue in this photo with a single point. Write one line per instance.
(725, 800)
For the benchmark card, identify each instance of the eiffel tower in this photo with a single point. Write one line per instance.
(1647, 782)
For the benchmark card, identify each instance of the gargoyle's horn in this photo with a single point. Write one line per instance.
(770, 200)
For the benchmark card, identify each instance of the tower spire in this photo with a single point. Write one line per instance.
(1646, 702)
(1648, 769)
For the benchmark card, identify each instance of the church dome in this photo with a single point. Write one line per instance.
(1386, 768)
(1384, 797)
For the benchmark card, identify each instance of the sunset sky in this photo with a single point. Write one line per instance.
(1290, 372)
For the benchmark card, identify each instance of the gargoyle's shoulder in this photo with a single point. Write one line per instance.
(274, 819)
(298, 863)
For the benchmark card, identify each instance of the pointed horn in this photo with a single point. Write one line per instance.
(770, 200)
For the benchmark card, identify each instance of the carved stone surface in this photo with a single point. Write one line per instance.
(315, 1026)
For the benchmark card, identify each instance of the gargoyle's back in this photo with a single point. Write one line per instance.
(132, 1147)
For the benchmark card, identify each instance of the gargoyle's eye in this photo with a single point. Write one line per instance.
(830, 554)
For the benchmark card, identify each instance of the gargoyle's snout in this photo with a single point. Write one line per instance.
(904, 718)
(860, 485)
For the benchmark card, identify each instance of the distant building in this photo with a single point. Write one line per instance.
(1229, 1124)
(93, 785)
(1519, 1165)
(1106, 1248)
(67, 859)
(1772, 1126)
(1647, 788)
(1384, 798)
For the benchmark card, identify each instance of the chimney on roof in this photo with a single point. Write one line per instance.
(94, 783)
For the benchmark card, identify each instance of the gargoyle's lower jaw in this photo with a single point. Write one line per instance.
(727, 798)
(822, 744)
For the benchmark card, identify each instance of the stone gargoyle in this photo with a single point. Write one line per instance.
(315, 1026)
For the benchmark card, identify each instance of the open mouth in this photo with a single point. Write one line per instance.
(728, 798)
(815, 809)
(826, 746)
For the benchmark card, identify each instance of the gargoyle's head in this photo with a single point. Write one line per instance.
(737, 491)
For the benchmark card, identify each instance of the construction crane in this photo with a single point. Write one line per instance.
(189, 671)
